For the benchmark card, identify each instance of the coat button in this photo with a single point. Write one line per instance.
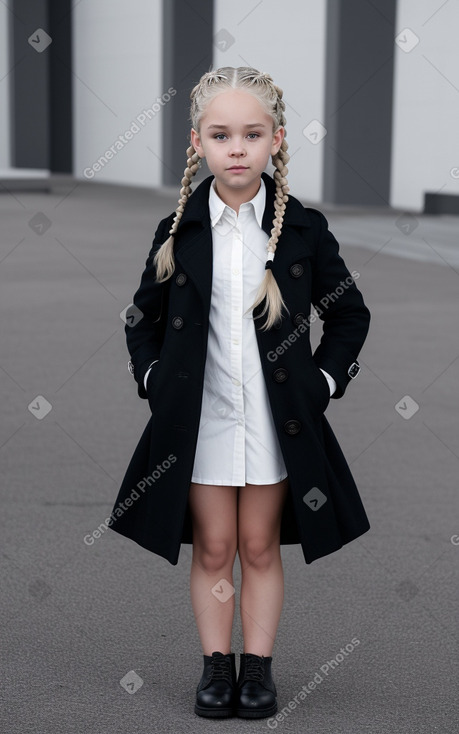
(181, 279)
(299, 318)
(296, 270)
(177, 322)
(280, 375)
(292, 427)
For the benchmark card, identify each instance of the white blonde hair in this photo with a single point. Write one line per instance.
(269, 95)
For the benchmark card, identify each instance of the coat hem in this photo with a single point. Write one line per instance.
(173, 559)
(147, 545)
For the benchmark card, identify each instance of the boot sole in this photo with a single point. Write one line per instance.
(214, 713)
(256, 713)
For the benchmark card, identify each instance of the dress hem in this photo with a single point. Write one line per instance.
(220, 483)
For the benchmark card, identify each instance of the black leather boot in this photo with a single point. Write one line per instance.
(255, 687)
(216, 691)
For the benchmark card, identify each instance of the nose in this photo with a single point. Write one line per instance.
(238, 148)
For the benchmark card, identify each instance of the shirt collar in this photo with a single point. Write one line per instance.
(217, 206)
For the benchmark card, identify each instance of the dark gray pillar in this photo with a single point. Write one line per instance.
(29, 84)
(60, 87)
(187, 54)
(358, 101)
(40, 84)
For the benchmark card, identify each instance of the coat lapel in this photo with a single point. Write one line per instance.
(193, 240)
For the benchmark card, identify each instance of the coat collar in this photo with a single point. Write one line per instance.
(193, 243)
(196, 208)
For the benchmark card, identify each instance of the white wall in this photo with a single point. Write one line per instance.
(4, 90)
(426, 103)
(117, 54)
(286, 40)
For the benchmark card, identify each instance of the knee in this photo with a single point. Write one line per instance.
(258, 552)
(213, 554)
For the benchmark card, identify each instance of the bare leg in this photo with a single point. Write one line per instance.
(262, 587)
(214, 519)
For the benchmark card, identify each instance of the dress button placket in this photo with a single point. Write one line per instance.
(236, 352)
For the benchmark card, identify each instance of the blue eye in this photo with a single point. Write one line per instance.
(220, 136)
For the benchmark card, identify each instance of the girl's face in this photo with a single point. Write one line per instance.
(237, 140)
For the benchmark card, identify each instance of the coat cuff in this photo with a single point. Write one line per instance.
(343, 367)
(330, 380)
(139, 372)
(145, 379)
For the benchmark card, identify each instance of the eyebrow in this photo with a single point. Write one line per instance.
(223, 127)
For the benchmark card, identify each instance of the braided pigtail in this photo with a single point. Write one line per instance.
(164, 258)
(269, 288)
(209, 84)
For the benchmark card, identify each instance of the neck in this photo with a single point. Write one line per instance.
(234, 198)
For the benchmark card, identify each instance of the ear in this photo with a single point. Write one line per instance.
(278, 137)
(196, 143)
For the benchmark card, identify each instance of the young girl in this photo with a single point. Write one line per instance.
(237, 455)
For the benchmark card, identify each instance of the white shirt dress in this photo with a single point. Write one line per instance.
(237, 441)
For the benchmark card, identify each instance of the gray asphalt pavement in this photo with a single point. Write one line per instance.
(100, 638)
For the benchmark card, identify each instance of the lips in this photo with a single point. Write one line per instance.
(237, 168)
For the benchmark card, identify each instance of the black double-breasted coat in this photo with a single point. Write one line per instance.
(169, 322)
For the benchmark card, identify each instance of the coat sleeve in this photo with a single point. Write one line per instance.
(340, 306)
(145, 337)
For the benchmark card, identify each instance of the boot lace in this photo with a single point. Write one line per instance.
(254, 669)
(221, 669)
